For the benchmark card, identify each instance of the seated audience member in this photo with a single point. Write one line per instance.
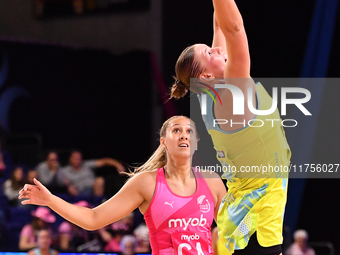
(44, 241)
(111, 239)
(71, 236)
(49, 173)
(31, 174)
(143, 239)
(299, 247)
(114, 234)
(42, 218)
(12, 186)
(128, 245)
(80, 177)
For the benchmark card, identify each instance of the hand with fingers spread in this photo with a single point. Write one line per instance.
(36, 194)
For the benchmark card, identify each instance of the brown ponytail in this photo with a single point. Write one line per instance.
(178, 89)
(186, 67)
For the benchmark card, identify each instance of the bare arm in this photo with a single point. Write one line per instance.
(110, 162)
(218, 37)
(237, 66)
(120, 205)
(217, 189)
(24, 243)
(231, 24)
(214, 240)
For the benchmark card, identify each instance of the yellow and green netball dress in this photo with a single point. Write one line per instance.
(255, 201)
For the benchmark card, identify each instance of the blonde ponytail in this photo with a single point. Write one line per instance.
(158, 159)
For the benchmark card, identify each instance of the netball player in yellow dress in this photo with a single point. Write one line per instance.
(250, 219)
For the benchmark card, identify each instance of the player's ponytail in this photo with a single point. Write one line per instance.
(186, 67)
(157, 160)
(178, 89)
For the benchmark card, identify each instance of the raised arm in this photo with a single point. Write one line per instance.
(230, 23)
(124, 202)
(218, 37)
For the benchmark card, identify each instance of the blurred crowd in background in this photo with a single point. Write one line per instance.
(35, 229)
(79, 183)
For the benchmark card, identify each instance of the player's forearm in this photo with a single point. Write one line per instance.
(25, 245)
(81, 216)
(218, 37)
(228, 17)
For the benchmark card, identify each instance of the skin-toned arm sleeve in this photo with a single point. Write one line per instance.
(124, 202)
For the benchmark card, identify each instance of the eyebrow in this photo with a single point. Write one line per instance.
(179, 124)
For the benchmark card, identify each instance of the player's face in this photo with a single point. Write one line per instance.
(76, 159)
(301, 242)
(44, 239)
(180, 140)
(52, 160)
(129, 248)
(18, 174)
(211, 59)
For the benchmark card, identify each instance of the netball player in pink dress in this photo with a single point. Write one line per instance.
(177, 208)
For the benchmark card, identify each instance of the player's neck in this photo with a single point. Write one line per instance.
(178, 170)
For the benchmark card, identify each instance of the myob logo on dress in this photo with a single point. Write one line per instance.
(186, 222)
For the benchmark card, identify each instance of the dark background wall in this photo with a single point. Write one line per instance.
(278, 34)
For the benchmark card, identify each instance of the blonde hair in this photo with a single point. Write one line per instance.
(159, 159)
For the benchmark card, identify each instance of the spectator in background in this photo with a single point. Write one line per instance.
(2, 164)
(80, 177)
(49, 173)
(12, 186)
(31, 174)
(42, 220)
(44, 241)
(113, 235)
(143, 239)
(70, 235)
(299, 247)
(128, 245)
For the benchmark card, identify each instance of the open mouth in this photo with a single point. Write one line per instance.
(184, 145)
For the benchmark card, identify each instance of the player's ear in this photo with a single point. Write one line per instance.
(162, 142)
(206, 76)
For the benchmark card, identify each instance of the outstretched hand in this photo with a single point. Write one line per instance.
(36, 194)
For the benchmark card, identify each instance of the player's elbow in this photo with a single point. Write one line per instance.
(92, 223)
(90, 228)
(233, 28)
